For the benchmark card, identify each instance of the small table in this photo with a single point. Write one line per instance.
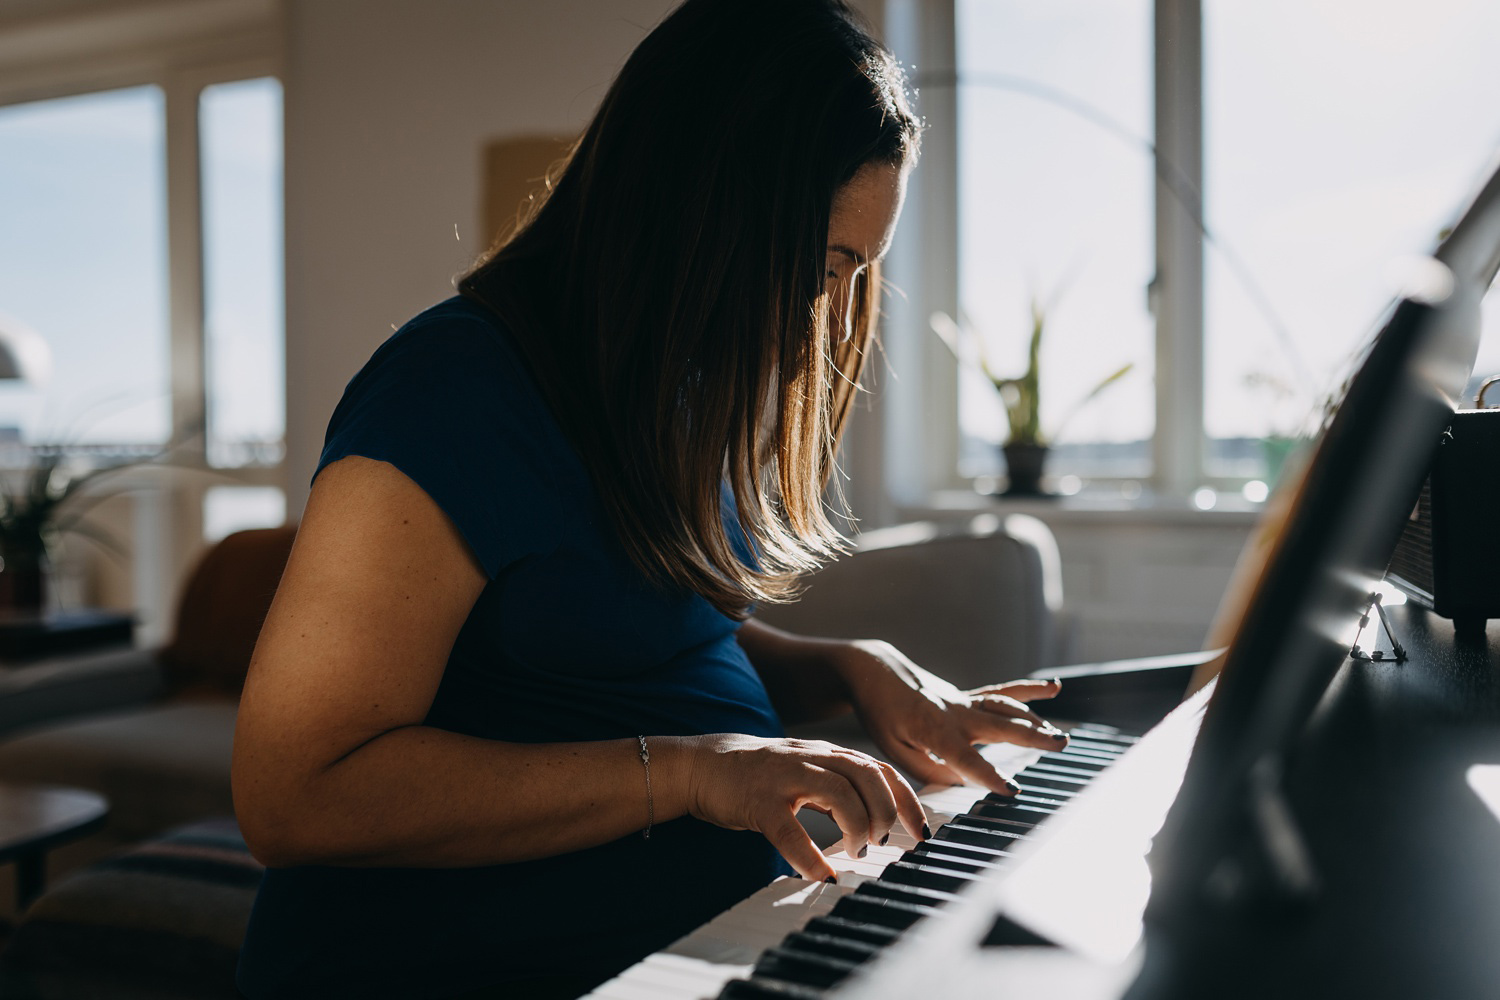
(36, 818)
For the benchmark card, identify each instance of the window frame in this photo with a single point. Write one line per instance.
(910, 453)
(181, 48)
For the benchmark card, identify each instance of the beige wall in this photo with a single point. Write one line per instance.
(388, 106)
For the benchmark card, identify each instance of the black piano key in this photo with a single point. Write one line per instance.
(1028, 799)
(1039, 810)
(962, 833)
(1061, 794)
(807, 968)
(1041, 804)
(835, 946)
(1083, 754)
(1031, 813)
(996, 816)
(927, 876)
(756, 988)
(946, 861)
(894, 913)
(1020, 820)
(1101, 727)
(856, 931)
(1096, 755)
(1049, 784)
(1102, 736)
(1071, 769)
(963, 852)
(1077, 769)
(916, 895)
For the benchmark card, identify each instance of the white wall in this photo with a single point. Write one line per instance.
(389, 104)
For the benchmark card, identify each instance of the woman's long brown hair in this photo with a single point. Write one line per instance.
(668, 290)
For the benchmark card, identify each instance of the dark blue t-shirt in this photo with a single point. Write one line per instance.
(567, 641)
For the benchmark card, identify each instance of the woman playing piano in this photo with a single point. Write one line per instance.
(509, 726)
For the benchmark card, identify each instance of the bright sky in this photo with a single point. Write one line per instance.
(83, 261)
(1339, 136)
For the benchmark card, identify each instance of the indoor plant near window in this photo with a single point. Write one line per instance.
(41, 499)
(1025, 446)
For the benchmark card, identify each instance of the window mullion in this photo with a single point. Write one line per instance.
(1177, 294)
(169, 519)
(920, 401)
(185, 259)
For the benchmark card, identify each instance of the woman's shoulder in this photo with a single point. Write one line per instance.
(447, 400)
(455, 334)
(455, 363)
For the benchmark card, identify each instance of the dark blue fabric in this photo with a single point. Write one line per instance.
(566, 642)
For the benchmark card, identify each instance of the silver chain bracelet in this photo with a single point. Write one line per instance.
(650, 800)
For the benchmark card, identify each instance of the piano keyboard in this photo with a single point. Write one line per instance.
(796, 939)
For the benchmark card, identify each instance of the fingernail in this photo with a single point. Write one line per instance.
(831, 880)
(1057, 681)
(1059, 736)
(926, 832)
(885, 840)
(863, 851)
(1015, 789)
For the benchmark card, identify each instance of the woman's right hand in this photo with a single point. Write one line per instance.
(750, 783)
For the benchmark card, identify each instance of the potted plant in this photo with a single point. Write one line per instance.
(39, 501)
(1026, 446)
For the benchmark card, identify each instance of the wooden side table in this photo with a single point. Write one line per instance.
(36, 818)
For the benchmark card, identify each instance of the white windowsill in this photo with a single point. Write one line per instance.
(1230, 510)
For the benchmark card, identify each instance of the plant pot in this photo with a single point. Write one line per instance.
(1023, 467)
(23, 580)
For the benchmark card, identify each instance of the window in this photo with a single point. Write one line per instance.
(1055, 176)
(140, 192)
(83, 264)
(240, 126)
(1332, 144)
(1331, 152)
(227, 509)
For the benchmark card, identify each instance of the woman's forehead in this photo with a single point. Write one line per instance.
(865, 211)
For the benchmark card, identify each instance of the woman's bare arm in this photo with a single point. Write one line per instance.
(332, 764)
(797, 671)
(331, 761)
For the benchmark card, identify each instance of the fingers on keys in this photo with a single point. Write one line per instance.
(864, 796)
(880, 792)
(1023, 690)
(988, 727)
(792, 841)
(968, 762)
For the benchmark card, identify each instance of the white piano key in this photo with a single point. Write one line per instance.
(686, 969)
(738, 935)
(626, 987)
(676, 981)
(852, 871)
(697, 966)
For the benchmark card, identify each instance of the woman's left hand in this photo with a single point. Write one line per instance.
(928, 727)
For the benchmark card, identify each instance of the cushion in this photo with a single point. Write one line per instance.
(162, 920)
(223, 607)
(159, 765)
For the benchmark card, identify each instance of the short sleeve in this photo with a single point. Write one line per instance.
(448, 402)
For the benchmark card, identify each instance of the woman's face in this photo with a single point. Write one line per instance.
(863, 221)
